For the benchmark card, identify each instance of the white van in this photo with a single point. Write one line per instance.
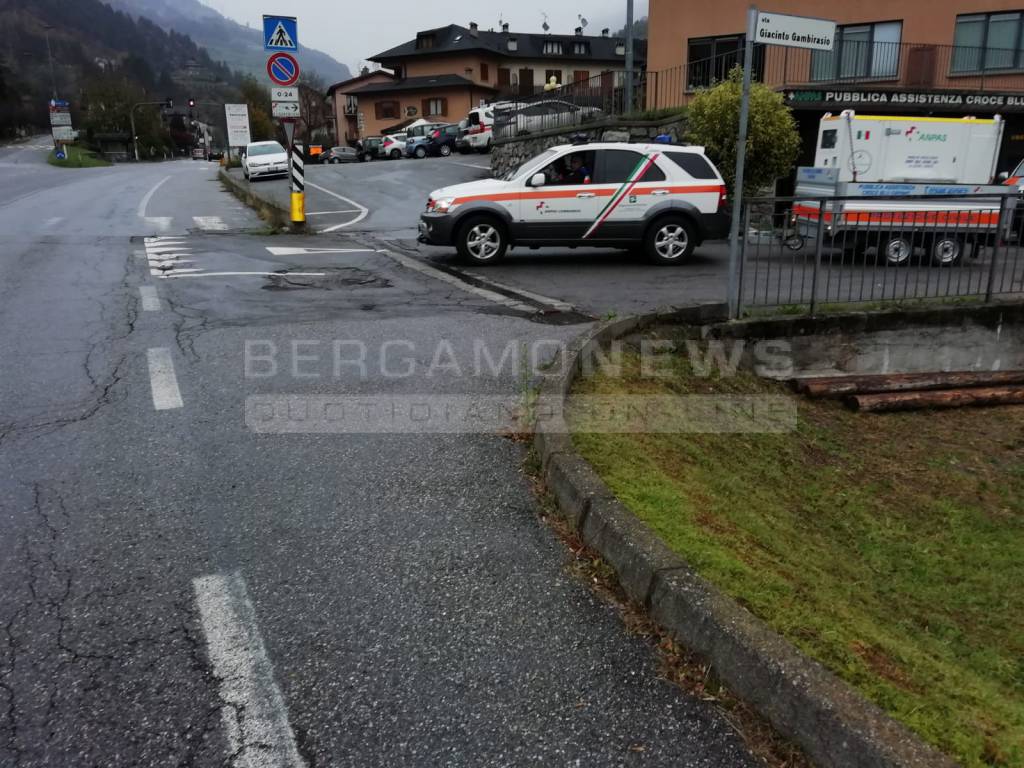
(480, 128)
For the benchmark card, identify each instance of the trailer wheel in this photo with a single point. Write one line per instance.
(896, 248)
(946, 250)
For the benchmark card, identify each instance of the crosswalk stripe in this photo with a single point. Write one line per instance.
(210, 223)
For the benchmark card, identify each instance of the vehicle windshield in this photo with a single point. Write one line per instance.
(256, 150)
(537, 162)
(1019, 170)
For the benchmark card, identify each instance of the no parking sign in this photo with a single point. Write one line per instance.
(283, 69)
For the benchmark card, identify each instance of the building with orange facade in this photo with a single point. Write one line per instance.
(915, 57)
(444, 73)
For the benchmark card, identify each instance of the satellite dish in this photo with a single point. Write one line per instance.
(583, 22)
(545, 26)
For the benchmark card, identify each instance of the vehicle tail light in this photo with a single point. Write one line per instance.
(723, 197)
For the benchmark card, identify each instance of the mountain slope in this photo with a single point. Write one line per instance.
(240, 47)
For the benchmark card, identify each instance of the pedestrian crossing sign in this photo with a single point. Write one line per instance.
(280, 33)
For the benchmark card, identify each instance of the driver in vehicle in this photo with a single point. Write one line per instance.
(578, 171)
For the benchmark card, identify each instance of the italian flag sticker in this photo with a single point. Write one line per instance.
(622, 193)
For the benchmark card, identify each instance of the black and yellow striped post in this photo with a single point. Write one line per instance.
(298, 187)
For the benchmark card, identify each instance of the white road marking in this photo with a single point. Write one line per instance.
(53, 222)
(184, 273)
(470, 165)
(166, 395)
(276, 251)
(172, 271)
(162, 223)
(364, 212)
(150, 299)
(328, 213)
(540, 299)
(437, 274)
(254, 714)
(149, 196)
(210, 223)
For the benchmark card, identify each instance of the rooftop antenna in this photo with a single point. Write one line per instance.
(545, 26)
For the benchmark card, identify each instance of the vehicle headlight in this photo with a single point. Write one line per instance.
(444, 205)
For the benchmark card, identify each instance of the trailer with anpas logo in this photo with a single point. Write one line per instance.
(902, 184)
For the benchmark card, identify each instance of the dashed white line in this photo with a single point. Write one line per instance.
(210, 223)
(163, 223)
(149, 196)
(162, 381)
(150, 299)
(363, 212)
(52, 222)
(254, 714)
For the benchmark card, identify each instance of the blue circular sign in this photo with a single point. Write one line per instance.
(60, 155)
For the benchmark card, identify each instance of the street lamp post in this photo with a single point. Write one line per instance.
(628, 106)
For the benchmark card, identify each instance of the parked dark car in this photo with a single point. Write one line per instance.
(370, 147)
(442, 141)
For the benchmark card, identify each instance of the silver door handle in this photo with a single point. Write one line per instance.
(660, 192)
(585, 195)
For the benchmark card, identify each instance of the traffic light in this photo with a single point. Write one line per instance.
(191, 103)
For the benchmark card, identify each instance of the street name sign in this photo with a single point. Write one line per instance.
(60, 118)
(237, 117)
(280, 33)
(63, 133)
(284, 94)
(795, 31)
(285, 109)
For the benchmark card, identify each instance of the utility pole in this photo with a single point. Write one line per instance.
(628, 106)
(49, 56)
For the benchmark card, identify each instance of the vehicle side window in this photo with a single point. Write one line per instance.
(616, 166)
(573, 169)
(696, 165)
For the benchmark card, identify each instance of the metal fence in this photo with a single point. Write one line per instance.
(873, 64)
(807, 252)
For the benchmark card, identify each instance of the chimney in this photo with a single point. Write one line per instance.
(606, 32)
(365, 72)
(474, 28)
(504, 28)
(579, 31)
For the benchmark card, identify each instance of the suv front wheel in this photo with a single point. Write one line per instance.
(670, 241)
(482, 240)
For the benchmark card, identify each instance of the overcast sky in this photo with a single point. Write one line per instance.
(351, 34)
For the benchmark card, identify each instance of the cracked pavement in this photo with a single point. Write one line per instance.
(412, 606)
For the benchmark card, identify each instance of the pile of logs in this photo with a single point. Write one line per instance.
(879, 393)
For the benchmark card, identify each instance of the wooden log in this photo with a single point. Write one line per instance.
(949, 398)
(838, 386)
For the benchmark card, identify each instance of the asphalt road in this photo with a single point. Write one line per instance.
(597, 282)
(180, 587)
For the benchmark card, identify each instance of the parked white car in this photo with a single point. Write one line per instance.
(264, 158)
(393, 147)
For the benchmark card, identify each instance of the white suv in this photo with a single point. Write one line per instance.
(667, 198)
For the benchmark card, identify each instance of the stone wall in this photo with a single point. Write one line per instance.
(507, 154)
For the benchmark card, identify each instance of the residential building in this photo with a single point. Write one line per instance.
(345, 106)
(445, 72)
(914, 57)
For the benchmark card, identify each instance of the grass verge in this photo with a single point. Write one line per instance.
(888, 547)
(77, 157)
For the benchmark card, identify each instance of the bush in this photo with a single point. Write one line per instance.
(772, 137)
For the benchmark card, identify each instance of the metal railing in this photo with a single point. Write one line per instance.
(809, 252)
(926, 67)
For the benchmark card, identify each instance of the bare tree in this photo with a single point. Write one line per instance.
(313, 102)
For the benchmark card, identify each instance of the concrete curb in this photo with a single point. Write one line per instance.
(834, 724)
(268, 210)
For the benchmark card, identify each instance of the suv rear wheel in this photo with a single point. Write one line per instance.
(670, 241)
(445, 150)
(482, 240)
